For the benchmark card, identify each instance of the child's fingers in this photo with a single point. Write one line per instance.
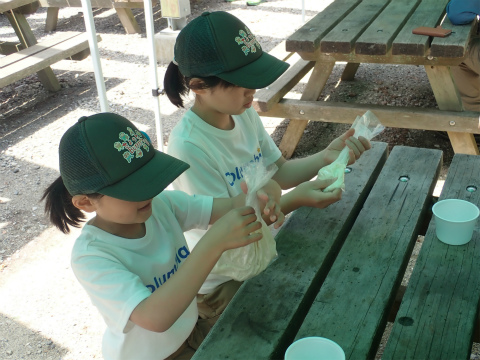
(365, 142)
(243, 186)
(323, 183)
(279, 218)
(353, 146)
(252, 227)
(358, 144)
(254, 237)
(347, 134)
(247, 214)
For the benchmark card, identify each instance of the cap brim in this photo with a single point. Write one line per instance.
(258, 74)
(148, 181)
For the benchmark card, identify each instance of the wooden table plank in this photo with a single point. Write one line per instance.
(6, 5)
(341, 39)
(308, 37)
(428, 13)
(31, 51)
(437, 316)
(39, 57)
(268, 309)
(378, 38)
(354, 301)
(454, 45)
(390, 116)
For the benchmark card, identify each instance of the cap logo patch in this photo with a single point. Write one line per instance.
(133, 143)
(248, 40)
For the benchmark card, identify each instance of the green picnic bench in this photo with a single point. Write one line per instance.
(27, 56)
(339, 269)
(438, 314)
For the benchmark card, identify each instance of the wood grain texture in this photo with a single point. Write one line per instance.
(428, 13)
(341, 39)
(438, 312)
(308, 37)
(355, 298)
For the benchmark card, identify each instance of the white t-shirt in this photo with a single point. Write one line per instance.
(216, 158)
(119, 273)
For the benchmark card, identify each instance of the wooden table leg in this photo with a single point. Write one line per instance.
(52, 19)
(26, 37)
(315, 85)
(128, 20)
(449, 99)
(349, 71)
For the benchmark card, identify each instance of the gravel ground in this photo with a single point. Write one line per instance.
(44, 314)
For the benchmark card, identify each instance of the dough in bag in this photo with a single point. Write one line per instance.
(367, 126)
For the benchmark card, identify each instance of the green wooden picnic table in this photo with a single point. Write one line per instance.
(374, 31)
(339, 270)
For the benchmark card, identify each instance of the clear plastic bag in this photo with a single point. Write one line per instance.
(367, 126)
(244, 263)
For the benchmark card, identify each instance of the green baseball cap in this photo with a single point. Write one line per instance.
(105, 153)
(219, 44)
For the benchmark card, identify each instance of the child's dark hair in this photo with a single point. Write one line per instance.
(59, 206)
(176, 85)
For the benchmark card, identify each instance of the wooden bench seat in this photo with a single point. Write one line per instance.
(278, 299)
(438, 313)
(269, 96)
(375, 255)
(25, 62)
(122, 8)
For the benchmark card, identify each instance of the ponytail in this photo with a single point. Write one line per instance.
(177, 86)
(59, 207)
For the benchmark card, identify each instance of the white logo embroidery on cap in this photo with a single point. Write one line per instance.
(248, 40)
(132, 143)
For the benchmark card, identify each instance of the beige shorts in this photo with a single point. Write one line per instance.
(211, 306)
(467, 77)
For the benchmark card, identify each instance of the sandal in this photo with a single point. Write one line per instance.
(254, 2)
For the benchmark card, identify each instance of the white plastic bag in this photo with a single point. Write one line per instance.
(367, 126)
(244, 263)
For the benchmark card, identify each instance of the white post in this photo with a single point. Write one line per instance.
(92, 43)
(154, 78)
(303, 11)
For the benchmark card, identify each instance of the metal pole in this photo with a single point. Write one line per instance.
(303, 11)
(154, 78)
(92, 43)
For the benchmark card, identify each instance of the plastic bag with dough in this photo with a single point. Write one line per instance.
(244, 263)
(367, 126)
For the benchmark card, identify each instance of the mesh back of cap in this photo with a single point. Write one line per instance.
(79, 172)
(196, 53)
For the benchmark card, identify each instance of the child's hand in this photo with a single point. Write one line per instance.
(357, 146)
(310, 193)
(235, 229)
(271, 207)
(269, 198)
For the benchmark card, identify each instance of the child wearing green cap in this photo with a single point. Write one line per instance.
(220, 60)
(132, 257)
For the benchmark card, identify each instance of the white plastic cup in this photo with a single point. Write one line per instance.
(314, 348)
(455, 220)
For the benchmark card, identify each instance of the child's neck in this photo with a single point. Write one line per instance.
(128, 231)
(212, 117)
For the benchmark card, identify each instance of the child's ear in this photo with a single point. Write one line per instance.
(83, 202)
(196, 85)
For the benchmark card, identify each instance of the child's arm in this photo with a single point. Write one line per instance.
(298, 172)
(294, 172)
(160, 310)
